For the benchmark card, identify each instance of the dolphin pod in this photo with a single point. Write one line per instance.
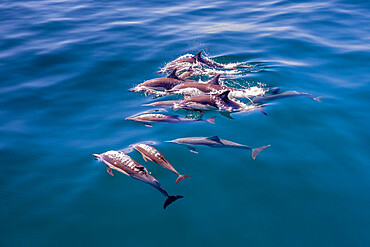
(125, 164)
(197, 97)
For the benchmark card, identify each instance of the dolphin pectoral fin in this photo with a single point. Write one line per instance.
(262, 109)
(148, 125)
(144, 157)
(256, 151)
(109, 170)
(226, 114)
(193, 150)
(171, 199)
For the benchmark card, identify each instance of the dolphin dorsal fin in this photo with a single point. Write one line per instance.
(175, 116)
(214, 80)
(214, 138)
(197, 56)
(173, 74)
(190, 69)
(275, 90)
(224, 95)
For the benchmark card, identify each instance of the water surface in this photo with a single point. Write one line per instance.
(65, 71)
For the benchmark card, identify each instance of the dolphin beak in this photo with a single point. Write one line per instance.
(96, 155)
(168, 141)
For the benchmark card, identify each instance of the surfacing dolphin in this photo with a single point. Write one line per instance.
(286, 94)
(187, 74)
(150, 118)
(208, 87)
(215, 142)
(160, 84)
(152, 154)
(199, 59)
(209, 102)
(125, 164)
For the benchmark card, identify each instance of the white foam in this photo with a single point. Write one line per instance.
(230, 69)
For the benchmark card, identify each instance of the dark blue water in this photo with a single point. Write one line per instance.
(65, 71)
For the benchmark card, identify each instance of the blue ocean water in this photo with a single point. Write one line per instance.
(65, 71)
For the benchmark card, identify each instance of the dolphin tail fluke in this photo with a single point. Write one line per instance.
(256, 151)
(211, 120)
(181, 177)
(171, 199)
(318, 99)
(275, 90)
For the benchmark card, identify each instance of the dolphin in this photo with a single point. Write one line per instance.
(125, 164)
(215, 142)
(151, 153)
(187, 74)
(199, 59)
(165, 83)
(209, 102)
(149, 118)
(275, 95)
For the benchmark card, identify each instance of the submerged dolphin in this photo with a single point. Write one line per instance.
(276, 95)
(215, 142)
(209, 102)
(165, 83)
(154, 155)
(125, 164)
(187, 74)
(198, 59)
(150, 118)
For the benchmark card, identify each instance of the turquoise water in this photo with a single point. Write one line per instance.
(65, 71)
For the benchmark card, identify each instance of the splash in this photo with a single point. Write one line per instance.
(198, 68)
